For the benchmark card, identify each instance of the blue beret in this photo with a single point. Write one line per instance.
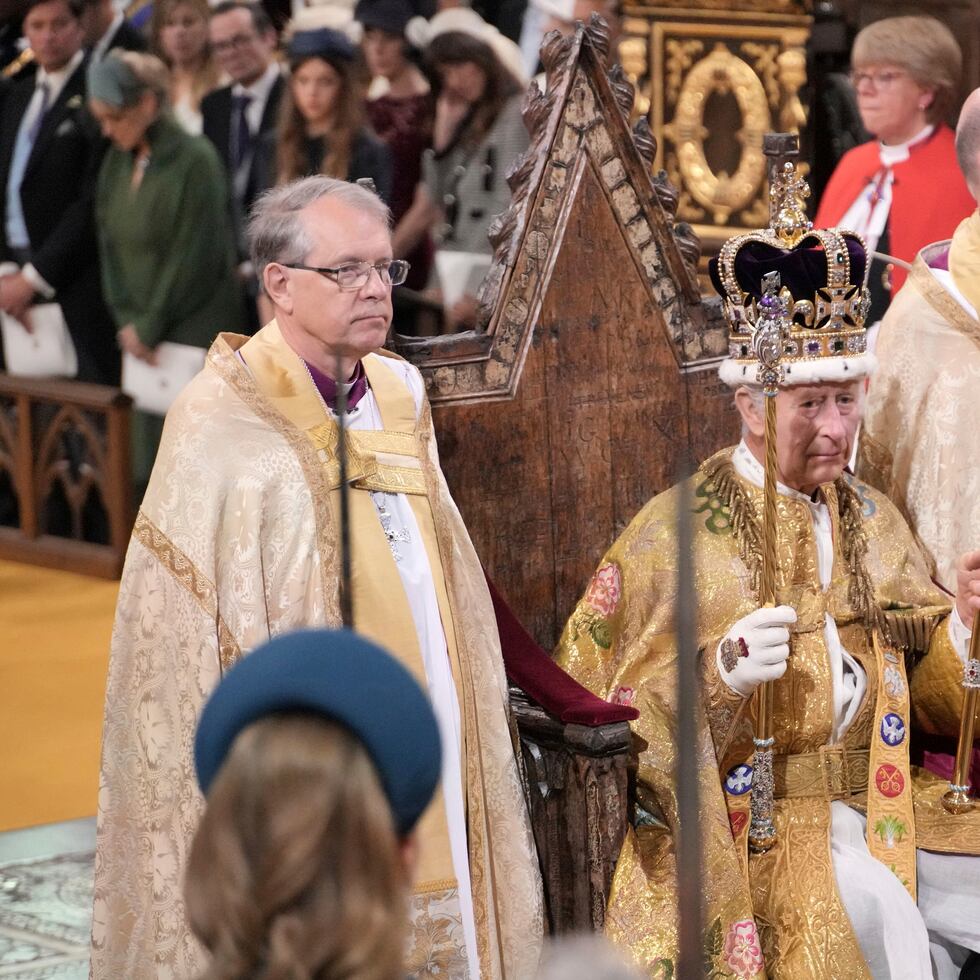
(344, 677)
(388, 15)
(321, 43)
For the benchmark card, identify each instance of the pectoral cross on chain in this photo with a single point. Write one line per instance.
(394, 537)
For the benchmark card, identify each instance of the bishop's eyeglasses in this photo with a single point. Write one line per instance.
(355, 275)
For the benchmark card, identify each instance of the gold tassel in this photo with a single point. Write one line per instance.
(745, 522)
(854, 547)
(747, 529)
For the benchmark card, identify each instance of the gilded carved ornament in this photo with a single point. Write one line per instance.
(720, 194)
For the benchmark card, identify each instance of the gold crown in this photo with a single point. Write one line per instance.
(776, 339)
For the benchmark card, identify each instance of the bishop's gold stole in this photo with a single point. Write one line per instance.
(964, 259)
(387, 460)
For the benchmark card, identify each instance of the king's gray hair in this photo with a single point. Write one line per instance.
(276, 233)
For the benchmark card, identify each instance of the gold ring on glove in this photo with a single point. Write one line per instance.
(731, 650)
(729, 655)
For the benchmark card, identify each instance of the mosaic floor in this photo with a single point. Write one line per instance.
(46, 901)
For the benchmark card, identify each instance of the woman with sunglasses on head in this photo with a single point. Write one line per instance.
(903, 189)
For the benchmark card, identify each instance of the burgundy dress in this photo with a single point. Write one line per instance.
(405, 126)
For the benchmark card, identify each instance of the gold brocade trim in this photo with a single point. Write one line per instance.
(379, 476)
(747, 530)
(364, 470)
(386, 441)
(395, 479)
(476, 816)
(190, 577)
(941, 301)
(239, 378)
(436, 885)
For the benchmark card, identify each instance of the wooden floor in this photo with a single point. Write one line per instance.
(54, 651)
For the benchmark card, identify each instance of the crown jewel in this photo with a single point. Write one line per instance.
(795, 297)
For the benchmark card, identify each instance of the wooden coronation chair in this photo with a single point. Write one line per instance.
(589, 380)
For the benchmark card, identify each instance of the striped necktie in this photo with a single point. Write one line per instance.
(41, 113)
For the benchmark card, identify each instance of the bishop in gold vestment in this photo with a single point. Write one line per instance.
(864, 647)
(919, 442)
(237, 541)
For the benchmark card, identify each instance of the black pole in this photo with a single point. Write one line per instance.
(689, 883)
(346, 596)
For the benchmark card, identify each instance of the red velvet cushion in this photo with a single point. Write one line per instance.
(535, 673)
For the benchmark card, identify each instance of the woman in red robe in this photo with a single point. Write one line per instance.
(902, 190)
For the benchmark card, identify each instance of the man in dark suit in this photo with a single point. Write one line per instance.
(105, 29)
(244, 43)
(50, 151)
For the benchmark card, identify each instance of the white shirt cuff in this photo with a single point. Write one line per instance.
(959, 635)
(40, 284)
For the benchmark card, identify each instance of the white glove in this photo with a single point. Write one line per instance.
(764, 634)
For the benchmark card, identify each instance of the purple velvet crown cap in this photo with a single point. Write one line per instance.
(802, 270)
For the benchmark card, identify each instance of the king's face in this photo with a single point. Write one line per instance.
(816, 426)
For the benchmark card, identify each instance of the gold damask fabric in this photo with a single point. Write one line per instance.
(779, 914)
(919, 443)
(225, 556)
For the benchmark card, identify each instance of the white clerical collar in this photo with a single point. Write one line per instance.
(56, 80)
(945, 279)
(261, 87)
(899, 152)
(749, 468)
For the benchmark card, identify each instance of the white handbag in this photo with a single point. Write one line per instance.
(46, 352)
(153, 387)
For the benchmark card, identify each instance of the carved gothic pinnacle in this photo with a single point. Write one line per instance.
(688, 243)
(623, 90)
(554, 57)
(667, 194)
(644, 139)
(597, 33)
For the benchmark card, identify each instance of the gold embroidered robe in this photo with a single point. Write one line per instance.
(619, 642)
(918, 441)
(236, 542)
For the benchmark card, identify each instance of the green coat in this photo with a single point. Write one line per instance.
(167, 249)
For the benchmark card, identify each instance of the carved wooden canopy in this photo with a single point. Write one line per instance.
(573, 401)
(579, 124)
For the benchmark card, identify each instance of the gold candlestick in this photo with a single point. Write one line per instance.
(957, 798)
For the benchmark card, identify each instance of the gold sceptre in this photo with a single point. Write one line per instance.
(787, 223)
(957, 798)
(767, 342)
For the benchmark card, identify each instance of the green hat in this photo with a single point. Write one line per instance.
(113, 82)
